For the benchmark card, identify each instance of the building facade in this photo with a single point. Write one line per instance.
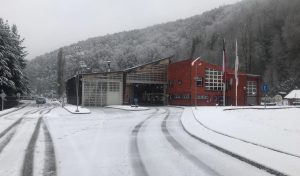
(202, 84)
(162, 82)
(146, 83)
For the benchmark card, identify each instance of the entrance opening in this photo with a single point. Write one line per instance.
(149, 94)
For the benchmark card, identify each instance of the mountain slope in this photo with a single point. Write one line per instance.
(268, 32)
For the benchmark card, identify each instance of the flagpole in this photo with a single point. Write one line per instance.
(224, 74)
(236, 71)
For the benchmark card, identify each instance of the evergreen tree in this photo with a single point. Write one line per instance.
(12, 62)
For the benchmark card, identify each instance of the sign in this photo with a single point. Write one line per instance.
(278, 98)
(2, 95)
(265, 88)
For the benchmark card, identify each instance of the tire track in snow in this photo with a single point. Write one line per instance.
(27, 169)
(243, 140)
(177, 146)
(28, 159)
(50, 161)
(234, 155)
(137, 162)
(7, 132)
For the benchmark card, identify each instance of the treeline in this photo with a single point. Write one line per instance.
(12, 62)
(268, 33)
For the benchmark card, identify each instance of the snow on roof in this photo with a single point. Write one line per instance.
(293, 94)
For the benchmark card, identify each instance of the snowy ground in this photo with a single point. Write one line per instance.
(92, 144)
(270, 137)
(48, 140)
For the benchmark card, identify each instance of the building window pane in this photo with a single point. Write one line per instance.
(251, 88)
(186, 96)
(213, 80)
(199, 81)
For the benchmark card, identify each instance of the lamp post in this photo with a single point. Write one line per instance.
(79, 71)
(82, 66)
(196, 81)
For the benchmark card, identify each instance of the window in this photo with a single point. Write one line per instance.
(202, 97)
(179, 82)
(186, 96)
(176, 96)
(213, 80)
(199, 81)
(218, 99)
(114, 86)
(251, 88)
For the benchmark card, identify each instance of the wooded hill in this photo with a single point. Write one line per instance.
(268, 33)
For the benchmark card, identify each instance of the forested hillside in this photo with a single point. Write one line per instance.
(268, 33)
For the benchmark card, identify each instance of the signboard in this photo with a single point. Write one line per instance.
(278, 98)
(265, 88)
(2, 95)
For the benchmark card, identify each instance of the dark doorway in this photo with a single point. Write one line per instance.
(149, 94)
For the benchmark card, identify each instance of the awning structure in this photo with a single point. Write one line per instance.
(295, 94)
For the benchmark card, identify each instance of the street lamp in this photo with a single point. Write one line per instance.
(82, 66)
(196, 81)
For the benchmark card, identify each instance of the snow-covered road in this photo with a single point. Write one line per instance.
(115, 142)
(49, 141)
(19, 133)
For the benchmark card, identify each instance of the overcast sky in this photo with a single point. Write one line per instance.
(47, 25)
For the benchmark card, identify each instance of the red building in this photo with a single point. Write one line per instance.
(202, 84)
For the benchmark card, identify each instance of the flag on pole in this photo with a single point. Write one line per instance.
(236, 69)
(224, 73)
(224, 60)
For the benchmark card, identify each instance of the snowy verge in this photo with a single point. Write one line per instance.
(275, 129)
(10, 110)
(252, 154)
(128, 107)
(72, 109)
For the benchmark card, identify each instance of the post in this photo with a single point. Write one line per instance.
(18, 95)
(265, 100)
(2, 99)
(224, 73)
(2, 95)
(77, 89)
(196, 87)
(192, 64)
(236, 87)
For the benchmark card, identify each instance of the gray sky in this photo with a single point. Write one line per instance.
(47, 25)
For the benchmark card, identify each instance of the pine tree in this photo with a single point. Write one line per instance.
(12, 60)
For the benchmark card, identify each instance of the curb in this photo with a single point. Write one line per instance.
(128, 109)
(233, 109)
(75, 112)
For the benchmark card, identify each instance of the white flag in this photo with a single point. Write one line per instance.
(236, 68)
